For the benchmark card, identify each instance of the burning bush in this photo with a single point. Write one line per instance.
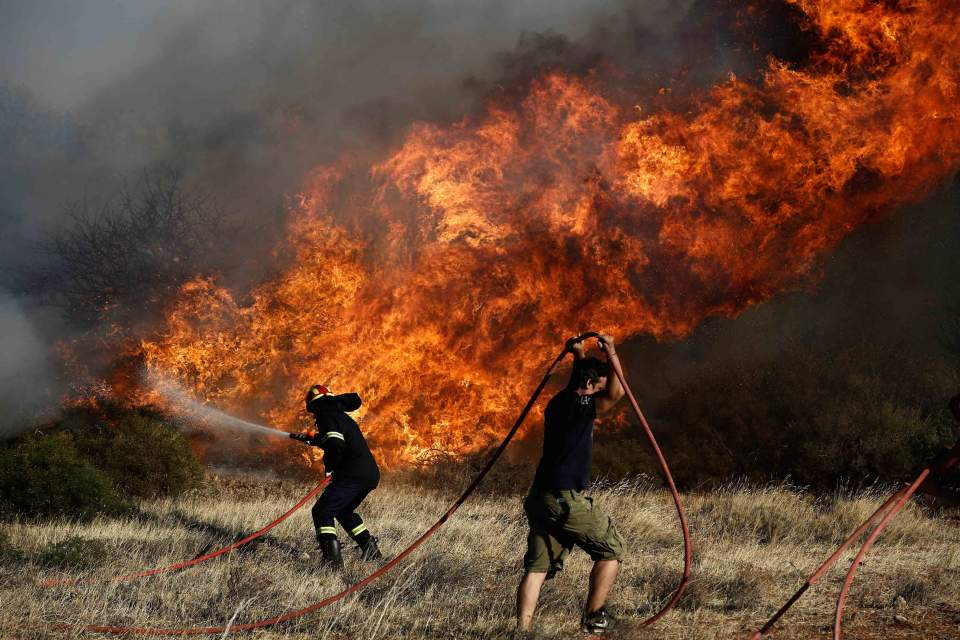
(467, 249)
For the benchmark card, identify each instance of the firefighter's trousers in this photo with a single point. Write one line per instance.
(339, 502)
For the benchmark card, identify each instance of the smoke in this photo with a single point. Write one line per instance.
(244, 98)
(24, 367)
(893, 284)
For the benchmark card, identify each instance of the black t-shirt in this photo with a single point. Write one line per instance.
(567, 442)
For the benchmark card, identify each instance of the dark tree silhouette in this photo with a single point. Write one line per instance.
(123, 260)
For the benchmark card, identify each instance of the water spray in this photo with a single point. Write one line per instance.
(182, 402)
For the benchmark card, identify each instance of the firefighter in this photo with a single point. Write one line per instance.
(558, 511)
(353, 470)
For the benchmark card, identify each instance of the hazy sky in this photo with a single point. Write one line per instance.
(65, 51)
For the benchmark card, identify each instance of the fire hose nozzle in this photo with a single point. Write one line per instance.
(300, 437)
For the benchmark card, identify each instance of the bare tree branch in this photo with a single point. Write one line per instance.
(123, 260)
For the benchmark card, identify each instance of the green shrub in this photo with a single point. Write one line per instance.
(856, 414)
(44, 475)
(143, 455)
(73, 553)
(91, 461)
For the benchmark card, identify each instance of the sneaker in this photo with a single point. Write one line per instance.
(598, 622)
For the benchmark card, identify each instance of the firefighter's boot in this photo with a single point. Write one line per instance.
(332, 557)
(369, 551)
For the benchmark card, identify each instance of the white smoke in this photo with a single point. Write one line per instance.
(25, 383)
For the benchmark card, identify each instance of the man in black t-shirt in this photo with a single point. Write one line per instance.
(559, 513)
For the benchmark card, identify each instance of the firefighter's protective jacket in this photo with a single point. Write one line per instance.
(345, 450)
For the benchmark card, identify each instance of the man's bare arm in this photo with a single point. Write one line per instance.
(614, 391)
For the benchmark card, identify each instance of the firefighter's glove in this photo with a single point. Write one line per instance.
(306, 438)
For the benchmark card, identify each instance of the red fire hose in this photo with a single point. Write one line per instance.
(668, 477)
(939, 467)
(194, 561)
(887, 511)
(153, 631)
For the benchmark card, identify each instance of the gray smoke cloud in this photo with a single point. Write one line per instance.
(244, 97)
(894, 284)
(24, 367)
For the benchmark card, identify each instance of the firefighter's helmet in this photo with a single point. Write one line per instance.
(316, 392)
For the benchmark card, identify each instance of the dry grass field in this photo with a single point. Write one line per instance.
(753, 548)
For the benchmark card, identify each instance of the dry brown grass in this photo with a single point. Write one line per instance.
(753, 547)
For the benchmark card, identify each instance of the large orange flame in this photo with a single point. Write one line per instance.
(436, 281)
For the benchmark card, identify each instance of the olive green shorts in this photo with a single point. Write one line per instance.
(558, 521)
